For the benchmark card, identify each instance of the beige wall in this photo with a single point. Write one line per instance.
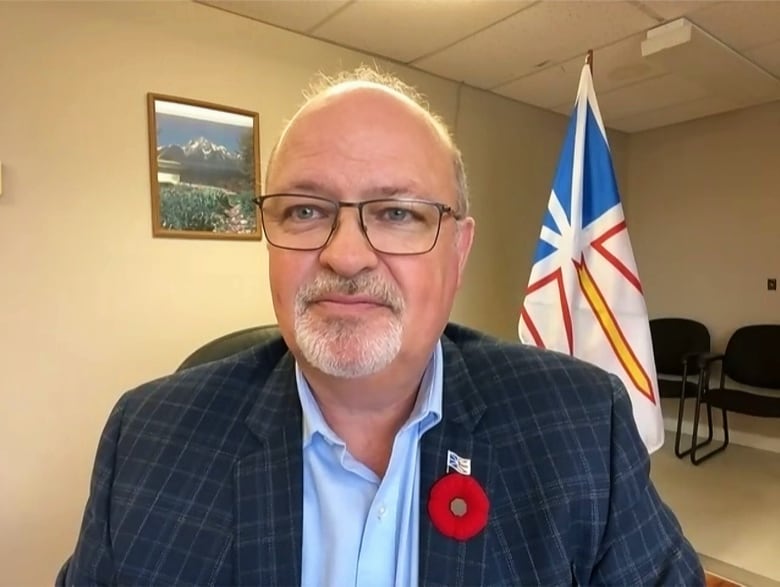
(703, 206)
(91, 305)
(703, 209)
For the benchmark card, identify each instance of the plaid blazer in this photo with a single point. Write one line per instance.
(198, 478)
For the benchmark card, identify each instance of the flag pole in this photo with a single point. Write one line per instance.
(589, 60)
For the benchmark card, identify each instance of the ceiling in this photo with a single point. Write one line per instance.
(533, 51)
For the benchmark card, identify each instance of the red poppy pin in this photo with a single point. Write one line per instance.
(458, 506)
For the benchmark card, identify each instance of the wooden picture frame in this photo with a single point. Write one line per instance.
(204, 164)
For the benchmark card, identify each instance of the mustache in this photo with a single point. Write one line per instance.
(365, 284)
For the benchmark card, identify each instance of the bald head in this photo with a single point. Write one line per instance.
(365, 90)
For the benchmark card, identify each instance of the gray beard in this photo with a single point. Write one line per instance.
(347, 347)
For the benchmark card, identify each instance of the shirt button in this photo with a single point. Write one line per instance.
(381, 512)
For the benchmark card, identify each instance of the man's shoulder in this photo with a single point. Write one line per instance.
(513, 359)
(532, 380)
(209, 397)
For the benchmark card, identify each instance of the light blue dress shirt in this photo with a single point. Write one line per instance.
(360, 530)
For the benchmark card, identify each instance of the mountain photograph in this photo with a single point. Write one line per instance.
(205, 174)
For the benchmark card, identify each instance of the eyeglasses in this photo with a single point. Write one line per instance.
(391, 226)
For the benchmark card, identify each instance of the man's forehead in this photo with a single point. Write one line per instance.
(358, 111)
(362, 141)
(327, 109)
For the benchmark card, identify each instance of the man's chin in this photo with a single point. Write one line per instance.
(348, 347)
(349, 369)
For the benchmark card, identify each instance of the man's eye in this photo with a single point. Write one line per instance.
(396, 215)
(303, 213)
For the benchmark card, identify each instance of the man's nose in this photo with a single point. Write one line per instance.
(348, 252)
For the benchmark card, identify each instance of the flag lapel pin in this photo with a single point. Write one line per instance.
(458, 464)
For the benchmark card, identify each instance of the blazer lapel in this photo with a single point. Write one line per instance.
(443, 560)
(269, 487)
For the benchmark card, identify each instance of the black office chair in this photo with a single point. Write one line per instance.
(752, 358)
(677, 342)
(230, 344)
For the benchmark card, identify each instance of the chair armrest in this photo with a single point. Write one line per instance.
(706, 359)
(693, 357)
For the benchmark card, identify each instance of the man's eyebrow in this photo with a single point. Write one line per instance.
(319, 189)
(396, 191)
(308, 187)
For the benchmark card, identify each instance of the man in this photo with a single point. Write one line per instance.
(374, 444)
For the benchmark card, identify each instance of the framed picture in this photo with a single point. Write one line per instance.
(205, 169)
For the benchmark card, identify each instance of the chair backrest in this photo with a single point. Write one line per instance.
(753, 356)
(673, 338)
(230, 344)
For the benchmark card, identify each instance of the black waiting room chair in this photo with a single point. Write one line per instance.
(229, 344)
(752, 358)
(677, 345)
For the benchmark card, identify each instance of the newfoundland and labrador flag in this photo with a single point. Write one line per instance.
(584, 297)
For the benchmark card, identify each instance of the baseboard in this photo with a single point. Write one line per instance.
(740, 437)
(735, 574)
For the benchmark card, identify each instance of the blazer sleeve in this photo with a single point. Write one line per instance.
(91, 564)
(643, 543)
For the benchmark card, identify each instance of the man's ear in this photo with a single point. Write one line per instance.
(464, 238)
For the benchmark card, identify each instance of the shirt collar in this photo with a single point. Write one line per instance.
(428, 406)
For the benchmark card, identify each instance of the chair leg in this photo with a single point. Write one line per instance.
(709, 422)
(678, 435)
(700, 459)
(701, 395)
(681, 412)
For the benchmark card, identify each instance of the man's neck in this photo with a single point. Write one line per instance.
(367, 413)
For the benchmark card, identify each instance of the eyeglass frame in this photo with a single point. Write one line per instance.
(444, 210)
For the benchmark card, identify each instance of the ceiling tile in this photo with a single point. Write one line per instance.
(767, 57)
(617, 65)
(548, 87)
(405, 30)
(295, 15)
(648, 95)
(671, 9)
(672, 114)
(741, 25)
(547, 32)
